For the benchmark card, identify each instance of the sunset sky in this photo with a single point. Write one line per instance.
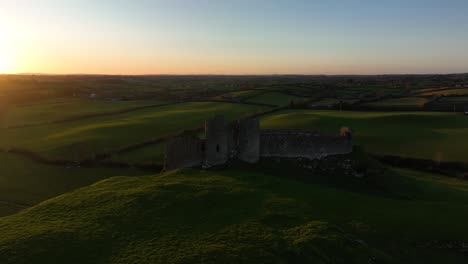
(233, 37)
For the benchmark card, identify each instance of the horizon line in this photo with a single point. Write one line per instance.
(218, 74)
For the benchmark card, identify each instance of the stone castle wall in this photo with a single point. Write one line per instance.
(243, 140)
(248, 143)
(304, 144)
(184, 152)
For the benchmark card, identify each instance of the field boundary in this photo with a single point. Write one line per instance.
(87, 163)
(448, 168)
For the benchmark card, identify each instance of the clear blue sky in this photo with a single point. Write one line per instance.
(252, 37)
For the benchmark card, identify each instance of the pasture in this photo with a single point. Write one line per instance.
(428, 135)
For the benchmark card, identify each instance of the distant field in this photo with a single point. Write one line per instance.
(275, 98)
(438, 136)
(358, 92)
(326, 102)
(242, 94)
(84, 138)
(332, 101)
(58, 109)
(400, 102)
(448, 92)
(26, 183)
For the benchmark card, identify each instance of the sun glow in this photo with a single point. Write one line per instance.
(7, 50)
(6, 62)
(6, 57)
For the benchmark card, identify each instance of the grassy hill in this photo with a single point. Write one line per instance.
(428, 135)
(248, 215)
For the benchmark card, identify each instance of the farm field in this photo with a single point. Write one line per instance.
(59, 109)
(428, 135)
(400, 102)
(252, 214)
(84, 138)
(25, 183)
(330, 102)
(275, 98)
(447, 92)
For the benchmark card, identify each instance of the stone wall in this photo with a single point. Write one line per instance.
(184, 152)
(305, 144)
(248, 143)
(216, 146)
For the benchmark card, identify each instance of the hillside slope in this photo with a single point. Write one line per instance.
(240, 215)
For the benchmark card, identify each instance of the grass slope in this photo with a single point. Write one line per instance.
(81, 139)
(438, 136)
(243, 215)
(24, 183)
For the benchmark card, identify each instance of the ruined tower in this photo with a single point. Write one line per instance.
(249, 140)
(216, 143)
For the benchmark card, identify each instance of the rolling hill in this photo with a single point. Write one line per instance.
(353, 212)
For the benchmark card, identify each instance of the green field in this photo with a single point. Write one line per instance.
(275, 98)
(244, 215)
(24, 183)
(60, 109)
(327, 102)
(438, 136)
(80, 139)
(400, 102)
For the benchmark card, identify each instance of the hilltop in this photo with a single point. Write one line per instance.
(248, 214)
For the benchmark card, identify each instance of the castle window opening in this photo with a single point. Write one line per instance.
(217, 148)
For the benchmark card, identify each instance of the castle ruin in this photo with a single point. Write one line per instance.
(243, 140)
